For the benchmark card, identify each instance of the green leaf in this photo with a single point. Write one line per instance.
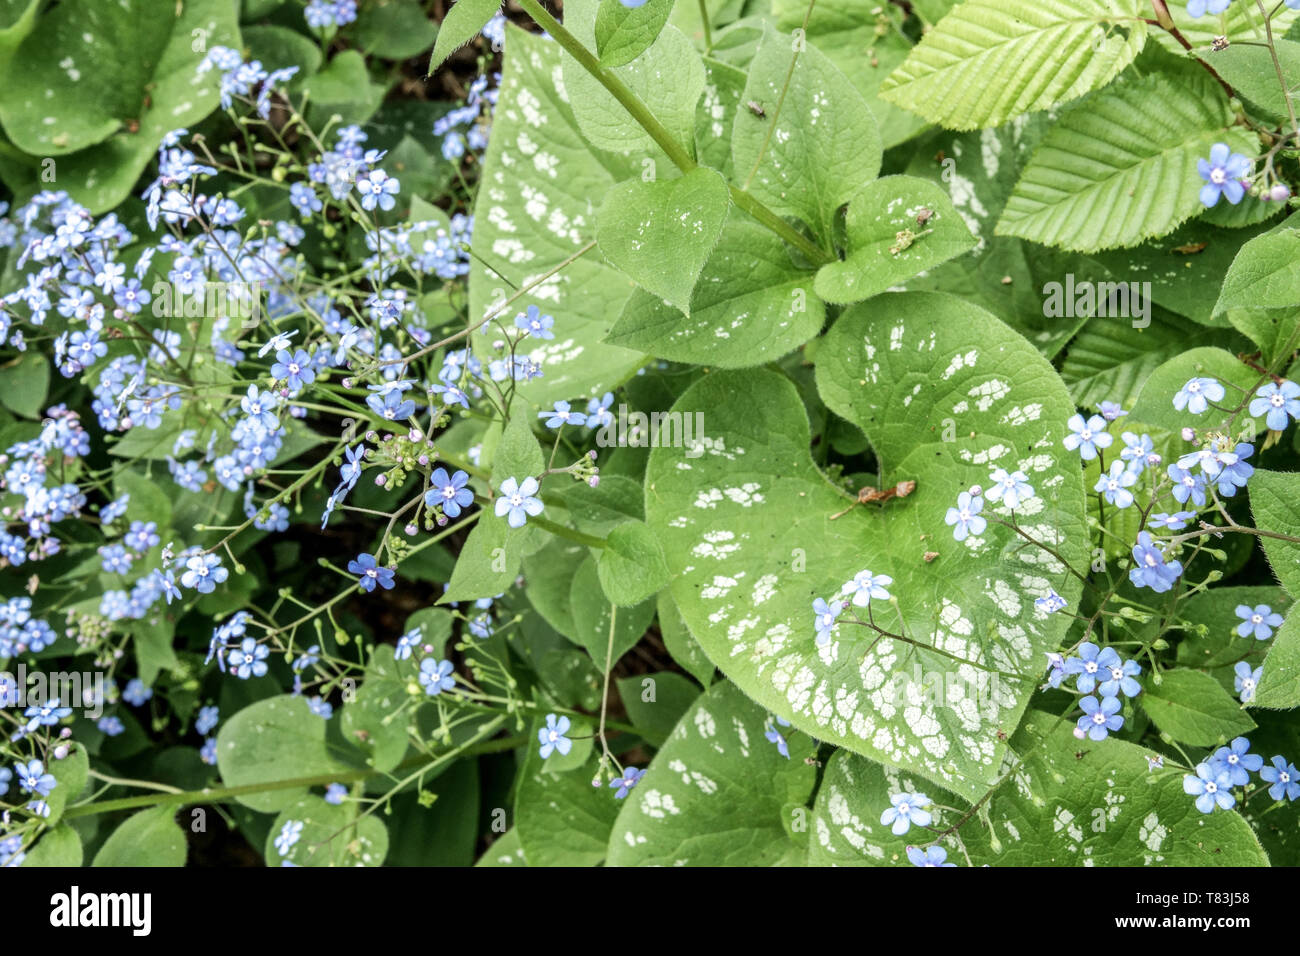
(591, 617)
(275, 739)
(1216, 610)
(60, 846)
(751, 305)
(533, 212)
(71, 772)
(444, 834)
(506, 851)
(631, 568)
(1120, 167)
(1071, 804)
(95, 69)
(816, 144)
(604, 122)
(623, 33)
(1273, 330)
(661, 233)
(655, 702)
(1194, 709)
(990, 60)
(680, 643)
(561, 819)
(749, 539)
(344, 88)
(279, 47)
(1273, 498)
(365, 718)
(332, 835)
(549, 573)
(724, 92)
(463, 23)
(846, 31)
(1279, 685)
(149, 838)
(717, 793)
(24, 384)
(1265, 273)
(1155, 402)
(898, 226)
(1239, 23)
(395, 29)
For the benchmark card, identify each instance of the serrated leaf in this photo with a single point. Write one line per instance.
(1265, 273)
(751, 305)
(816, 144)
(1273, 501)
(897, 227)
(1194, 709)
(990, 60)
(1121, 167)
(463, 23)
(717, 793)
(661, 233)
(623, 33)
(735, 522)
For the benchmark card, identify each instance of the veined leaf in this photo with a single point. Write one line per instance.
(464, 21)
(990, 60)
(1121, 167)
(1194, 709)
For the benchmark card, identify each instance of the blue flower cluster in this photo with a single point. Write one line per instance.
(1230, 767)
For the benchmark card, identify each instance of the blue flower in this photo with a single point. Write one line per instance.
(203, 572)
(391, 406)
(1277, 403)
(1111, 411)
(1225, 169)
(320, 707)
(208, 752)
(631, 777)
(1010, 488)
(1196, 395)
(1087, 436)
(1198, 8)
(1115, 485)
(775, 736)
(934, 856)
(826, 616)
(1284, 777)
(598, 412)
(296, 368)
(449, 492)
(207, 719)
(1187, 485)
(1258, 621)
(335, 793)
(535, 324)
(1150, 569)
(633, 4)
(369, 572)
(1055, 669)
(249, 659)
(1174, 522)
(516, 502)
(1121, 679)
(435, 676)
(1050, 603)
(304, 199)
(1210, 786)
(552, 738)
(966, 519)
(136, 693)
(908, 808)
(1139, 452)
(866, 586)
(407, 643)
(1091, 662)
(1100, 718)
(32, 778)
(1237, 759)
(1235, 473)
(562, 415)
(1246, 680)
(288, 836)
(378, 188)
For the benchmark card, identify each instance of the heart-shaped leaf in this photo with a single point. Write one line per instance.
(750, 540)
